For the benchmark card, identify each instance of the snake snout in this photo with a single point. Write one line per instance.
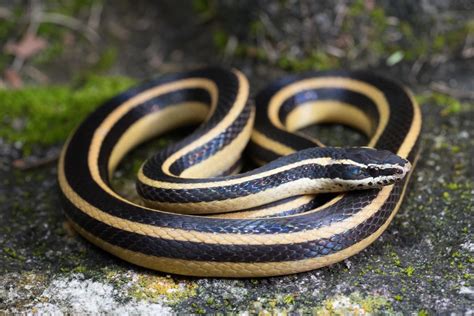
(372, 156)
(404, 169)
(389, 158)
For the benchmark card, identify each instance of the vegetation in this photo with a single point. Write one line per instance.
(364, 32)
(46, 115)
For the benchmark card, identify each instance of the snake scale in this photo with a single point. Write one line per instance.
(202, 218)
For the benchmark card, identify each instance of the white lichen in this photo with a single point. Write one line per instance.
(73, 295)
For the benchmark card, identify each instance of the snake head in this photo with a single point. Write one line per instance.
(366, 168)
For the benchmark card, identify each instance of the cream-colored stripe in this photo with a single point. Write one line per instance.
(415, 128)
(332, 82)
(270, 144)
(232, 269)
(121, 110)
(323, 161)
(225, 158)
(266, 196)
(272, 210)
(283, 191)
(176, 233)
(331, 111)
(303, 198)
(239, 269)
(188, 235)
(276, 147)
(239, 104)
(228, 238)
(377, 97)
(155, 124)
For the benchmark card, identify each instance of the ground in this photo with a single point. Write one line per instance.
(422, 264)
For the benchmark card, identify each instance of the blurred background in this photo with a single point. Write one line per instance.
(75, 43)
(59, 59)
(60, 40)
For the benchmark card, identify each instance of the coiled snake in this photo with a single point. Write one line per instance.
(203, 219)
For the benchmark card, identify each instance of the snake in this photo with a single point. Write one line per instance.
(304, 206)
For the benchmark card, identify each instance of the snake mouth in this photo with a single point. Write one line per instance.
(406, 169)
(398, 171)
(402, 170)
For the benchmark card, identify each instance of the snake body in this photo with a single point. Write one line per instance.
(276, 225)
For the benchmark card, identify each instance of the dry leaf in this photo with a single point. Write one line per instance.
(29, 46)
(369, 4)
(13, 78)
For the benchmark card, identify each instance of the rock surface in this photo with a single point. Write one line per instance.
(421, 264)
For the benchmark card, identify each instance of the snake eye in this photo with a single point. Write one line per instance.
(354, 171)
(373, 171)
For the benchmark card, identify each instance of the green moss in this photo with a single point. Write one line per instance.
(396, 259)
(80, 269)
(371, 304)
(409, 271)
(452, 38)
(446, 196)
(398, 298)
(455, 149)
(220, 39)
(353, 304)
(12, 253)
(449, 104)
(107, 59)
(413, 44)
(46, 115)
(289, 299)
(154, 288)
(317, 60)
(254, 281)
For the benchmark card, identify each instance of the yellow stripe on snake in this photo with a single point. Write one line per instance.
(202, 218)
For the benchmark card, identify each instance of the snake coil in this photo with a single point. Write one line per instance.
(277, 225)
